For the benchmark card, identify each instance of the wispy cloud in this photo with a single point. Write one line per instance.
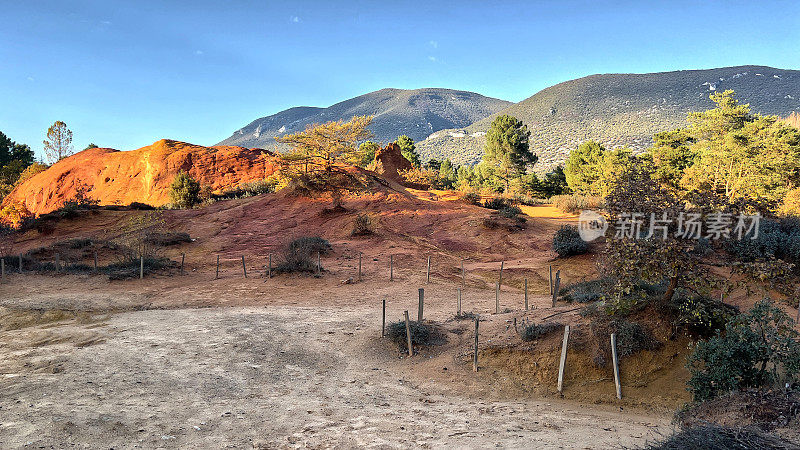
(434, 44)
(432, 58)
(294, 19)
(105, 22)
(31, 79)
(198, 52)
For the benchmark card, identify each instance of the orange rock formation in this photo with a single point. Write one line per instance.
(143, 175)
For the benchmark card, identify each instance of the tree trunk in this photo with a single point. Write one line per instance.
(673, 283)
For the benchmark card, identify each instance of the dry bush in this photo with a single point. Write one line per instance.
(574, 203)
(713, 437)
(300, 255)
(422, 333)
(363, 225)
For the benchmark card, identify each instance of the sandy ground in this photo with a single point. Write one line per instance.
(280, 372)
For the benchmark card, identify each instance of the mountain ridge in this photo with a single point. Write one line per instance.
(414, 112)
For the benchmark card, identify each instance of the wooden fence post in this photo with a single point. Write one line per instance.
(475, 353)
(183, 260)
(526, 294)
(458, 311)
(497, 298)
(391, 267)
(616, 365)
(500, 280)
(563, 361)
(95, 260)
(244, 267)
(359, 265)
(383, 323)
(463, 277)
(2, 269)
(421, 304)
(58, 263)
(319, 263)
(269, 266)
(408, 335)
(556, 287)
(550, 269)
(141, 267)
(20, 263)
(428, 272)
(217, 276)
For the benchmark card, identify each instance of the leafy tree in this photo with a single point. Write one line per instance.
(756, 349)
(12, 151)
(58, 144)
(313, 164)
(672, 155)
(582, 167)
(507, 148)
(184, 191)
(408, 150)
(448, 174)
(366, 153)
(590, 169)
(555, 183)
(90, 146)
(321, 146)
(434, 164)
(635, 254)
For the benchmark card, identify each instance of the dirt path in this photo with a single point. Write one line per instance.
(270, 377)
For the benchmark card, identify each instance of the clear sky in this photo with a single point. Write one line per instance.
(125, 74)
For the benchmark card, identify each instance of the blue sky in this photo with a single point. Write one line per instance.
(125, 74)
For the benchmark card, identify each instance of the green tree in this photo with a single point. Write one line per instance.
(90, 146)
(590, 169)
(555, 182)
(184, 191)
(366, 153)
(739, 155)
(434, 164)
(507, 148)
(672, 155)
(582, 168)
(58, 144)
(14, 158)
(408, 150)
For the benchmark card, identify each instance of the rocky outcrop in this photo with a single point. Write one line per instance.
(389, 162)
(144, 175)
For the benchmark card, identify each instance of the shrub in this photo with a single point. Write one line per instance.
(714, 437)
(421, 333)
(245, 190)
(567, 242)
(299, 255)
(701, 316)
(632, 337)
(495, 203)
(184, 191)
(510, 212)
(130, 268)
(756, 349)
(587, 291)
(574, 203)
(473, 198)
(362, 225)
(535, 331)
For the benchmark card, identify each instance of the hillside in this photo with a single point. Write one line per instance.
(142, 175)
(621, 110)
(416, 113)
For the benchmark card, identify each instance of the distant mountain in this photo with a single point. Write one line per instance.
(620, 110)
(416, 113)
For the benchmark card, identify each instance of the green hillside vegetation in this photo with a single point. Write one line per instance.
(619, 110)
